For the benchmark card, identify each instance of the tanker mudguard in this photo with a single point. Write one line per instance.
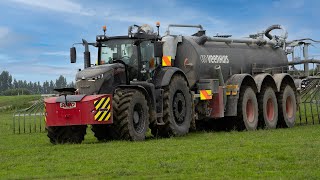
(163, 76)
(279, 78)
(236, 81)
(261, 78)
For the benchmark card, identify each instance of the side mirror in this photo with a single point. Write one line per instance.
(158, 49)
(73, 55)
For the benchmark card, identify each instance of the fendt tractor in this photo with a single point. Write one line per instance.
(171, 83)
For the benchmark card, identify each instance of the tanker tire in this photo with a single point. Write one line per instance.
(268, 108)
(247, 109)
(177, 108)
(131, 114)
(66, 134)
(104, 132)
(287, 106)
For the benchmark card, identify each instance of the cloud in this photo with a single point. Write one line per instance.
(66, 6)
(4, 31)
(57, 53)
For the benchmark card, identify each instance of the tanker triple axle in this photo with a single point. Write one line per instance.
(172, 83)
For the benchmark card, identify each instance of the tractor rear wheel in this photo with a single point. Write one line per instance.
(177, 108)
(104, 132)
(287, 106)
(131, 114)
(247, 109)
(268, 108)
(66, 134)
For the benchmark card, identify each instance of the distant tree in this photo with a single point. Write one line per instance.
(5, 81)
(71, 84)
(61, 82)
(51, 86)
(15, 84)
(10, 86)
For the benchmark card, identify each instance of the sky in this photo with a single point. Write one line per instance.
(36, 35)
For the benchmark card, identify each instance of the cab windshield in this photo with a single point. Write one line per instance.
(119, 49)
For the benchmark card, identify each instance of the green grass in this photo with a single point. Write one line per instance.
(264, 154)
(17, 102)
(282, 153)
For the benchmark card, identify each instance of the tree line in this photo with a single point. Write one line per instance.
(10, 86)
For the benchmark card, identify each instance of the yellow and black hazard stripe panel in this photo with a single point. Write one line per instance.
(166, 61)
(232, 90)
(205, 94)
(103, 108)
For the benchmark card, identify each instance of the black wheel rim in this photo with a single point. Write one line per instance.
(179, 107)
(138, 118)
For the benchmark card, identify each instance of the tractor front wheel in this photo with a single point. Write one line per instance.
(131, 114)
(66, 134)
(104, 132)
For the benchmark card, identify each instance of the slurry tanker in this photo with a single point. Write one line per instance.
(171, 83)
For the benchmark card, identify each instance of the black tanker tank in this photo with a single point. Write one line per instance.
(198, 55)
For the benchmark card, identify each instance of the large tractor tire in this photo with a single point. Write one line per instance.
(268, 108)
(66, 134)
(177, 109)
(131, 114)
(247, 109)
(104, 132)
(287, 106)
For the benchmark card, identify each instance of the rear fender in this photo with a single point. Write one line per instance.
(147, 93)
(163, 76)
(233, 87)
(284, 78)
(263, 78)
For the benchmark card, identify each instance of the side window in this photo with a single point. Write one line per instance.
(147, 54)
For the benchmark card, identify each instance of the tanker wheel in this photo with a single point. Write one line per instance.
(131, 114)
(104, 132)
(177, 108)
(247, 109)
(66, 134)
(287, 106)
(268, 108)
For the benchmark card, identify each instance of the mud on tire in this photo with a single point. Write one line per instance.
(177, 110)
(130, 114)
(66, 134)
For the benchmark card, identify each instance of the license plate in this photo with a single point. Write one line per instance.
(68, 105)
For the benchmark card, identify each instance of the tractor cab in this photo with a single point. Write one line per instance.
(120, 60)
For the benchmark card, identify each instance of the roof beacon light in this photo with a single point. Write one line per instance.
(104, 29)
(158, 25)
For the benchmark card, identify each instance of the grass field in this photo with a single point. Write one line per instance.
(268, 154)
(16, 102)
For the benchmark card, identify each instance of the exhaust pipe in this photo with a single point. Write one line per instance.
(86, 54)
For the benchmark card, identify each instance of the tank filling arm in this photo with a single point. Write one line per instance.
(274, 41)
(244, 40)
(182, 25)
